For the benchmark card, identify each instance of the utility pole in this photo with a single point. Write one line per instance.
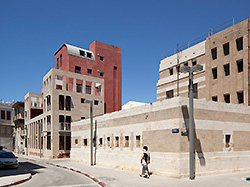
(191, 70)
(177, 68)
(40, 143)
(91, 131)
(95, 139)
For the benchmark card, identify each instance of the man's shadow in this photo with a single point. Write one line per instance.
(197, 142)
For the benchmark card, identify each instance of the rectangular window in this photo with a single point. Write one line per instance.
(49, 141)
(57, 63)
(195, 90)
(61, 122)
(227, 140)
(214, 73)
(115, 73)
(227, 69)
(240, 66)
(96, 102)
(79, 88)
(89, 55)
(82, 117)
(138, 141)
(101, 58)
(194, 62)
(239, 43)
(61, 142)
(227, 98)
(226, 49)
(108, 141)
(85, 142)
(100, 142)
(214, 53)
(88, 89)
(117, 141)
(48, 103)
(126, 141)
(171, 71)
(214, 98)
(170, 94)
(240, 96)
(59, 87)
(82, 53)
(2, 114)
(61, 102)
(101, 74)
(68, 103)
(76, 141)
(77, 69)
(68, 142)
(60, 60)
(8, 115)
(178, 68)
(89, 71)
(82, 100)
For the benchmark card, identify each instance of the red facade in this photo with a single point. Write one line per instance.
(106, 64)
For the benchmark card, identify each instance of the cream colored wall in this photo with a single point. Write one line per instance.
(169, 151)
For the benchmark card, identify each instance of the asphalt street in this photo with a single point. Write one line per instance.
(47, 175)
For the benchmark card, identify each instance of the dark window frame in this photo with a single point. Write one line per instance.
(169, 94)
(240, 66)
(214, 53)
(78, 69)
(214, 73)
(239, 43)
(226, 49)
(226, 69)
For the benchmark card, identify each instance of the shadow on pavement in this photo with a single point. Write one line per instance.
(25, 167)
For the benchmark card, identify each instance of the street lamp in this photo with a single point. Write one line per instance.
(91, 131)
(191, 70)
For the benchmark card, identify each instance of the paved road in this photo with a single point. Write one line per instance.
(46, 175)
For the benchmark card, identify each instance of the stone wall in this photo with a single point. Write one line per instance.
(121, 136)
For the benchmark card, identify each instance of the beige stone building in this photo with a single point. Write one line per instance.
(225, 57)
(221, 128)
(6, 126)
(48, 116)
(19, 131)
(221, 138)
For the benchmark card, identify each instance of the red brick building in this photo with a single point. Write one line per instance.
(102, 61)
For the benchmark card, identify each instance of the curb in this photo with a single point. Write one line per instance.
(18, 182)
(78, 171)
(74, 170)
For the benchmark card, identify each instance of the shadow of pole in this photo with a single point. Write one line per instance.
(197, 142)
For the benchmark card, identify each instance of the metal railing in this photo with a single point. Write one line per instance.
(201, 38)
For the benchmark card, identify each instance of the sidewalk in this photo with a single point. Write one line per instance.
(14, 180)
(115, 177)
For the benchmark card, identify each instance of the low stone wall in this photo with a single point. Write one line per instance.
(221, 132)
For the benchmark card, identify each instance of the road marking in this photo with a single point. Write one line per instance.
(75, 185)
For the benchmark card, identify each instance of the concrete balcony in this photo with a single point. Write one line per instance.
(19, 116)
(64, 127)
(47, 127)
(24, 132)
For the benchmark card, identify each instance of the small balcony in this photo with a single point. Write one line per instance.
(47, 127)
(64, 126)
(24, 132)
(19, 116)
